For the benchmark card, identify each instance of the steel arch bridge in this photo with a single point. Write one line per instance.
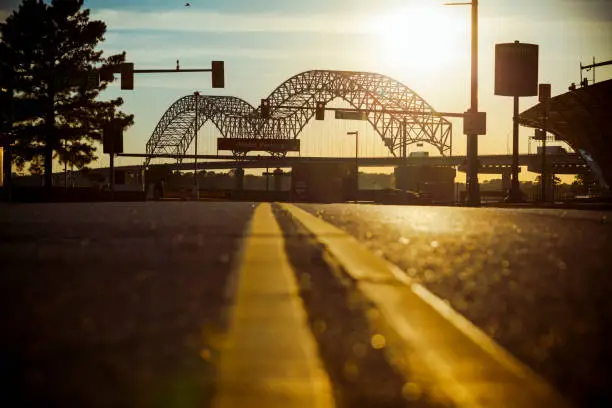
(388, 102)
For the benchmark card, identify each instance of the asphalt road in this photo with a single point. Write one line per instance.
(537, 281)
(126, 304)
(116, 304)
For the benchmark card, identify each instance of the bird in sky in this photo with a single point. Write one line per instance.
(187, 5)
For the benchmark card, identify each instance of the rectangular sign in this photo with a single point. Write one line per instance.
(253, 144)
(475, 123)
(351, 115)
(112, 138)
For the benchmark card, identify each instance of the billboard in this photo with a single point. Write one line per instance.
(351, 115)
(112, 138)
(255, 144)
(516, 69)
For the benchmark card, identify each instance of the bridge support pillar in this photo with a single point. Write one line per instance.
(239, 179)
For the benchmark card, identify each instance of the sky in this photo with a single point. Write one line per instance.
(420, 43)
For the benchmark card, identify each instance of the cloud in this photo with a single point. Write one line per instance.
(208, 21)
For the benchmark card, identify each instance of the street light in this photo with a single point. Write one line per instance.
(356, 134)
(473, 193)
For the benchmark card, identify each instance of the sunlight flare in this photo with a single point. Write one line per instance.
(423, 38)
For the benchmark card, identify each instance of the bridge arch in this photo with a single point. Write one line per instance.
(367, 91)
(293, 105)
(175, 130)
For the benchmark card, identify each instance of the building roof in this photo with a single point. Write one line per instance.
(583, 119)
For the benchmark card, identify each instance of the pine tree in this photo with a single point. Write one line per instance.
(47, 51)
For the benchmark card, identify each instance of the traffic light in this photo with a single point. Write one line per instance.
(320, 111)
(543, 92)
(127, 75)
(265, 108)
(218, 74)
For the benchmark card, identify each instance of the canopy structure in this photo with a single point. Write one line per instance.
(583, 119)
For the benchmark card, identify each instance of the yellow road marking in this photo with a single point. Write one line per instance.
(468, 366)
(271, 358)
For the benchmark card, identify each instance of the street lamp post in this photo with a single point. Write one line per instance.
(356, 134)
(196, 187)
(473, 189)
(544, 93)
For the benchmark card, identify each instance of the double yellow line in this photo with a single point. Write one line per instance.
(272, 360)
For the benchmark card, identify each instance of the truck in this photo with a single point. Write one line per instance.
(553, 150)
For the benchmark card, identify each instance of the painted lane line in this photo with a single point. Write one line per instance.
(271, 358)
(469, 367)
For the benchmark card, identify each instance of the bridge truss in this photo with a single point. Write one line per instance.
(389, 104)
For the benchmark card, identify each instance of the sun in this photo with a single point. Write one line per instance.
(423, 39)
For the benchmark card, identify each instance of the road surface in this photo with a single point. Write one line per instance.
(188, 304)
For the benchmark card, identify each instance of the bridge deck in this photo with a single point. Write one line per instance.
(258, 162)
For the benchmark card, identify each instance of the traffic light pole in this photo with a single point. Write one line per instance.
(112, 174)
(217, 69)
(196, 187)
(8, 148)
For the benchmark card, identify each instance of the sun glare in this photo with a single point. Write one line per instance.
(421, 39)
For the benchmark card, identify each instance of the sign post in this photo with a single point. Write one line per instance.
(112, 144)
(516, 74)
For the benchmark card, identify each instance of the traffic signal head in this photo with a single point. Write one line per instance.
(265, 109)
(320, 111)
(543, 92)
(127, 75)
(218, 74)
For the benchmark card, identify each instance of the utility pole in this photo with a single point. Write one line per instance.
(473, 188)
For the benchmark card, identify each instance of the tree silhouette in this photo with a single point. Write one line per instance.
(47, 50)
